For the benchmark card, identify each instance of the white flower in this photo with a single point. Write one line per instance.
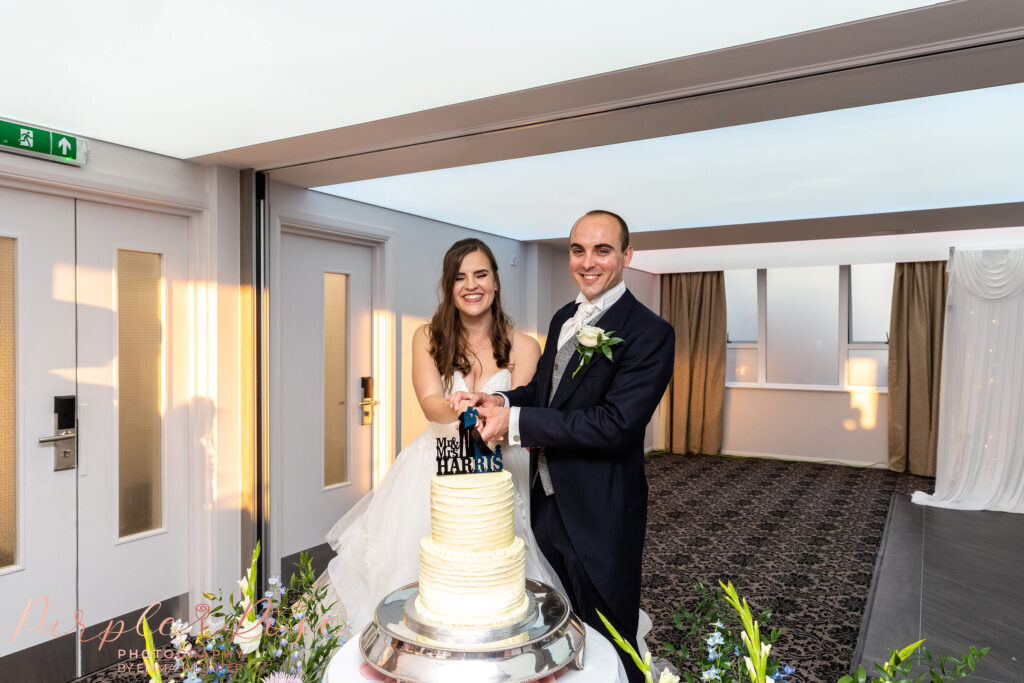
(668, 677)
(247, 635)
(243, 585)
(589, 336)
(750, 668)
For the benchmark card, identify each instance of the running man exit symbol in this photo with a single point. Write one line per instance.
(24, 138)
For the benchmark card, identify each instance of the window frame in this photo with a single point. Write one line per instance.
(843, 348)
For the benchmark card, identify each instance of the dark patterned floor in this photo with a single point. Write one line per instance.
(798, 538)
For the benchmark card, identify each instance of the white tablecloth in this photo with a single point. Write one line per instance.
(601, 664)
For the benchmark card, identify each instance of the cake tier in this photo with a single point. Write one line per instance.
(472, 511)
(472, 588)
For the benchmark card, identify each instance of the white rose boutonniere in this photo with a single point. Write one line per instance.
(591, 339)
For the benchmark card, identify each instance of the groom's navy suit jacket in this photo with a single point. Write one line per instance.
(593, 434)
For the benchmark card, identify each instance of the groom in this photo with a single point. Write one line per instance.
(585, 427)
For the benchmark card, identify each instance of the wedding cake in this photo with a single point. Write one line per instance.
(472, 565)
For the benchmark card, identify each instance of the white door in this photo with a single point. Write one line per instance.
(321, 460)
(37, 362)
(108, 536)
(133, 299)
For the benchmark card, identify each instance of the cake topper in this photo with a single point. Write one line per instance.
(468, 454)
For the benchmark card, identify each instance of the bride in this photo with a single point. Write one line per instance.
(469, 345)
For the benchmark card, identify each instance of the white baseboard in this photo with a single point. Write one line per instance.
(803, 458)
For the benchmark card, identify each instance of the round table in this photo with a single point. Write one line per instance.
(601, 664)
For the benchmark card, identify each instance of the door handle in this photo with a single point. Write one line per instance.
(368, 402)
(64, 439)
(62, 435)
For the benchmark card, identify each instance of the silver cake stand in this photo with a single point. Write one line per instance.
(404, 646)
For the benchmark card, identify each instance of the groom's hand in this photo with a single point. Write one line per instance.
(495, 422)
(461, 400)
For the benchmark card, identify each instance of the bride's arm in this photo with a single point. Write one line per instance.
(524, 356)
(426, 380)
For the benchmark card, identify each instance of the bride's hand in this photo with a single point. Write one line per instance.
(461, 400)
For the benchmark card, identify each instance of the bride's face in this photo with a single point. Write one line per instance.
(474, 285)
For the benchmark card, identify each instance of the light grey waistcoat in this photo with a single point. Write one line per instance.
(562, 359)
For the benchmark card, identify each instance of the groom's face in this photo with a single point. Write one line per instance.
(596, 257)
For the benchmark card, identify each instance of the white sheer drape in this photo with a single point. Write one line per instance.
(980, 459)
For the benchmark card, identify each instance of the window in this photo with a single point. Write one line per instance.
(802, 325)
(819, 326)
(870, 300)
(741, 354)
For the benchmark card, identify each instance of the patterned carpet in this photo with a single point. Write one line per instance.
(797, 538)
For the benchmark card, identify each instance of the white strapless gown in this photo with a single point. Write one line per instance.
(377, 541)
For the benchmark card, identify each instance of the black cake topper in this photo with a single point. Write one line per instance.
(469, 453)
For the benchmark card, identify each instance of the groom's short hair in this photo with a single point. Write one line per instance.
(623, 228)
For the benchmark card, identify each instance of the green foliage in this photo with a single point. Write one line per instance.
(712, 614)
(900, 665)
(286, 631)
(741, 650)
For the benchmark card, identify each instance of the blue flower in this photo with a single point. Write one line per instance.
(192, 678)
(782, 673)
(711, 674)
(736, 651)
(718, 625)
(712, 653)
(715, 639)
(277, 653)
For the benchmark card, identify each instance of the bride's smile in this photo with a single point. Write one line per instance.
(474, 285)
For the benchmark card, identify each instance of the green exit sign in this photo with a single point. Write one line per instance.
(40, 142)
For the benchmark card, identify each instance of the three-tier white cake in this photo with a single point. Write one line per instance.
(472, 566)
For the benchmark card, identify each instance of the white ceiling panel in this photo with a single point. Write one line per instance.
(950, 150)
(192, 77)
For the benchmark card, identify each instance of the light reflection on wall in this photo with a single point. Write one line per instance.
(384, 373)
(413, 420)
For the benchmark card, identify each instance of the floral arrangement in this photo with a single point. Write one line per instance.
(590, 339)
(265, 640)
(720, 658)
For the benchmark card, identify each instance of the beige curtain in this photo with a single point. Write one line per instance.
(694, 304)
(915, 362)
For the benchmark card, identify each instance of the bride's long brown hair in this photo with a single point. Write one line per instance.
(447, 346)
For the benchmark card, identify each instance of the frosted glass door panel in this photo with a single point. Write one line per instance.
(8, 452)
(140, 386)
(802, 325)
(335, 378)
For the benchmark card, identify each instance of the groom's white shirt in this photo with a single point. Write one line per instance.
(569, 328)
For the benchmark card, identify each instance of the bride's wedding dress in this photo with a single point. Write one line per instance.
(377, 541)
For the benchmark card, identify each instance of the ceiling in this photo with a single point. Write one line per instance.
(706, 124)
(958, 149)
(188, 78)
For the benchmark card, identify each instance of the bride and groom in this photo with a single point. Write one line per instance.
(581, 490)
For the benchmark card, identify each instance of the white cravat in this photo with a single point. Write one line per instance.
(588, 311)
(573, 325)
